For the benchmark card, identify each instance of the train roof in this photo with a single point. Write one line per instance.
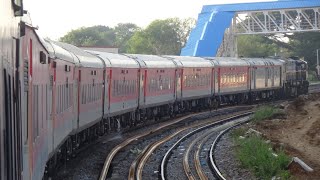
(57, 52)
(228, 61)
(86, 59)
(116, 60)
(152, 61)
(188, 61)
(263, 61)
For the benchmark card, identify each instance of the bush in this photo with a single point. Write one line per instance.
(255, 154)
(265, 112)
(312, 76)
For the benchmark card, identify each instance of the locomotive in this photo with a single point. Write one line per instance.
(56, 97)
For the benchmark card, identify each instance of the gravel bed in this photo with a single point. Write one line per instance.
(227, 162)
(204, 156)
(89, 162)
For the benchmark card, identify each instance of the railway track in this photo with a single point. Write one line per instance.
(192, 165)
(203, 132)
(314, 88)
(121, 146)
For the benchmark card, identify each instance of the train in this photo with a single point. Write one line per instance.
(11, 30)
(56, 97)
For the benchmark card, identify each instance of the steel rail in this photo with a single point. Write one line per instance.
(137, 166)
(213, 146)
(169, 152)
(196, 158)
(115, 150)
(186, 164)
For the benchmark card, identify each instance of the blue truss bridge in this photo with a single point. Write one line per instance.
(219, 25)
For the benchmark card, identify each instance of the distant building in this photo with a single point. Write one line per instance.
(109, 49)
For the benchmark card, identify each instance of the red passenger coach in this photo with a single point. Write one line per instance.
(157, 81)
(232, 83)
(121, 92)
(196, 82)
(36, 106)
(62, 82)
(89, 73)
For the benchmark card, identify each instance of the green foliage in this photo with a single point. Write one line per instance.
(264, 112)
(139, 44)
(238, 132)
(304, 45)
(312, 76)
(256, 155)
(161, 37)
(91, 36)
(256, 46)
(123, 33)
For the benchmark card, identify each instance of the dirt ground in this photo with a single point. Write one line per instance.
(299, 133)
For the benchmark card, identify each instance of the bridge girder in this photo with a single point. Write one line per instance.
(268, 22)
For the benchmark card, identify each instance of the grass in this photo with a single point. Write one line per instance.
(312, 77)
(265, 112)
(255, 154)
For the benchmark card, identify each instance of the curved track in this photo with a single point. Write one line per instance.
(201, 129)
(137, 167)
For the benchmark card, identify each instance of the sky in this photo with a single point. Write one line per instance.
(55, 18)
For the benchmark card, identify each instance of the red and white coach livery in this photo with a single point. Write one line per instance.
(55, 97)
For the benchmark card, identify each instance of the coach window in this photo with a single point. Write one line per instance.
(65, 97)
(61, 94)
(129, 87)
(125, 84)
(82, 95)
(125, 89)
(85, 94)
(90, 92)
(95, 92)
(58, 100)
(115, 87)
(62, 98)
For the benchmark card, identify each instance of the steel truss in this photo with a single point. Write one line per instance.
(269, 22)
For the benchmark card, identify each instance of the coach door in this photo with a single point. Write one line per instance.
(107, 91)
(253, 77)
(142, 91)
(11, 132)
(178, 84)
(11, 127)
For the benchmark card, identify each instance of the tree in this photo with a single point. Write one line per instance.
(183, 28)
(162, 37)
(123, 33)
(91, 36)
(139, 44)
(304, 45)
(256, 46)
